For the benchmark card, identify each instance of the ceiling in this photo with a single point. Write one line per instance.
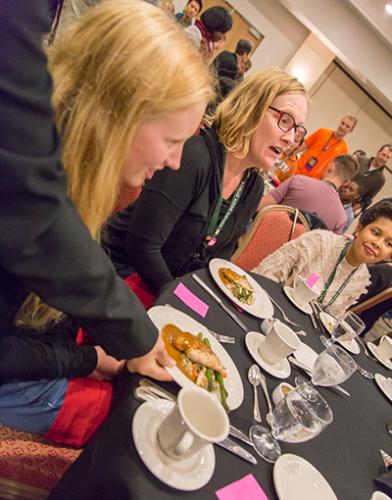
(373, 13)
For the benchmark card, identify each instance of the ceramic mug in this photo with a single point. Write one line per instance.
(302, 293)
(280, 342)
(280, 392)
(197, 420)
(384, 348)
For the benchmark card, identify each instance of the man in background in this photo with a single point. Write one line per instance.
(321, 147)
(229, 63)
(319, 198)
(371, 171)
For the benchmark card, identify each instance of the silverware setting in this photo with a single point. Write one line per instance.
(263, 382)
(284, 315)
(149, 391)
(254, 377)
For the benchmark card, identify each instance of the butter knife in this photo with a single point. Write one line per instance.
(220, 302)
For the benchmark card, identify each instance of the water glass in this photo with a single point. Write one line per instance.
(349, 327)
(332, 366)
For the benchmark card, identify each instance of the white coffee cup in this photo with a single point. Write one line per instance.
(197, 420)
(384, 348)
(281, 391)
(302, 293)
(279, 343)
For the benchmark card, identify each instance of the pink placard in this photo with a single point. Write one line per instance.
(190, 299)
(246, 488)
(312, 280)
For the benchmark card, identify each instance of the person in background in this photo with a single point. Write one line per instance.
(228, 63)
(118, 123)
(188, 16)
(371, 171)
(359, 152)
(341, 264)
(210, 30)
(321, 147)
(317, 197)
(243, 68)
(167, 5)
(350, 193)
(180, 222)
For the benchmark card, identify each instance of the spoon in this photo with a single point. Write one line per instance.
(263, 382)
(254, 376)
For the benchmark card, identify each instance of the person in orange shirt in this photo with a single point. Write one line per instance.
(321, 147)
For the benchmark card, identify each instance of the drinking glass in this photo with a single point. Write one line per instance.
(301, 415)
(332, 366)
(347, 328)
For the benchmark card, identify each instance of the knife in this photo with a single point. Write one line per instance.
(220, 302)
(230, 445)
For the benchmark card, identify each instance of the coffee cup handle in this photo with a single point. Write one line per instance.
(185, 443)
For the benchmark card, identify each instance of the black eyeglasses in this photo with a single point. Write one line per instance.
(286, 122)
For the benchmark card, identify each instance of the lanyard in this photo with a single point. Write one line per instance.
(325, 147)
(214, 228)
(332, 276)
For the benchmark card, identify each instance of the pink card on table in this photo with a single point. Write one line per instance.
(246, 488)
(312, 280)
(190, 299)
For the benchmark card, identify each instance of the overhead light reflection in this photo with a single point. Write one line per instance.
(388, 8)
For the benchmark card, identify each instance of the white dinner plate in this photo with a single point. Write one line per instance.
(161, 316)
(330, 322)
(385, 384)
(305, 308)
(262, 306)
(189, 474)
(297, 479)
(379, 495)
(281, 369)
(373, 349)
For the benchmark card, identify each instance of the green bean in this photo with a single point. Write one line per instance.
(210, 378)
(223, 391)
(199, 336)
(207, 343)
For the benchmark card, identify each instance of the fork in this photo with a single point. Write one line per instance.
(285, 317)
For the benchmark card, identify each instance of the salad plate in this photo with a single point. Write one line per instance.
(241, 288)
(188, 474)
(162, 316)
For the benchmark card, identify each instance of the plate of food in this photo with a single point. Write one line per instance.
(200, 359)
(241, 288)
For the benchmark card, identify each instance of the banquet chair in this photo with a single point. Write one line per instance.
(373, 301)
(271, 228)
(30, 466)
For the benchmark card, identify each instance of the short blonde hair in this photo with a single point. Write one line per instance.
(240, 114)
(122, 63)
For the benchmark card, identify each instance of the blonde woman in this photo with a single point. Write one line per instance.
(182, 220)
(123, 114)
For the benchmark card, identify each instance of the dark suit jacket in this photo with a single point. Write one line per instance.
(44, 246)
(374, 180)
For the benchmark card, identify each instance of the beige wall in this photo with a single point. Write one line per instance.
(336, 95)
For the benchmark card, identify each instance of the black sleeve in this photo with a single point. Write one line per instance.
(162, 203)
(44, 243)
(46, 356)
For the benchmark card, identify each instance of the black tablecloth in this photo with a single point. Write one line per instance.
(346, 453)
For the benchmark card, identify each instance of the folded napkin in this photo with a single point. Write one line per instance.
(246, 488)
(191, 300)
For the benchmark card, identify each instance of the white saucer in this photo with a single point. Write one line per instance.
(330, 322)
(373, 349)
(189, 474)
(297, 479)
(281, 369)
(385, 384)
(306, 356)
(306, 308)
(379, 495)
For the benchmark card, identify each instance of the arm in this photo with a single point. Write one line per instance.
(161, 205)
(44, 244)
(277, 195)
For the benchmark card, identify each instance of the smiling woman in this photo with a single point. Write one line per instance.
(183, 219)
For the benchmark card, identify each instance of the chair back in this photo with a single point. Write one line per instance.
(373, 301)
(270, 230)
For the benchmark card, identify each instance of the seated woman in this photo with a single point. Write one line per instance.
(183, 219)
(119, 123)
(341, 264)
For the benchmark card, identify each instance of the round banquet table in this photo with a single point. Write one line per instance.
(346, 452)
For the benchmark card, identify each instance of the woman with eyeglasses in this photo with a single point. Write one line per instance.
(183, 219)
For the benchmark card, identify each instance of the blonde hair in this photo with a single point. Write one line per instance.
(122, 63)
(240, 114)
